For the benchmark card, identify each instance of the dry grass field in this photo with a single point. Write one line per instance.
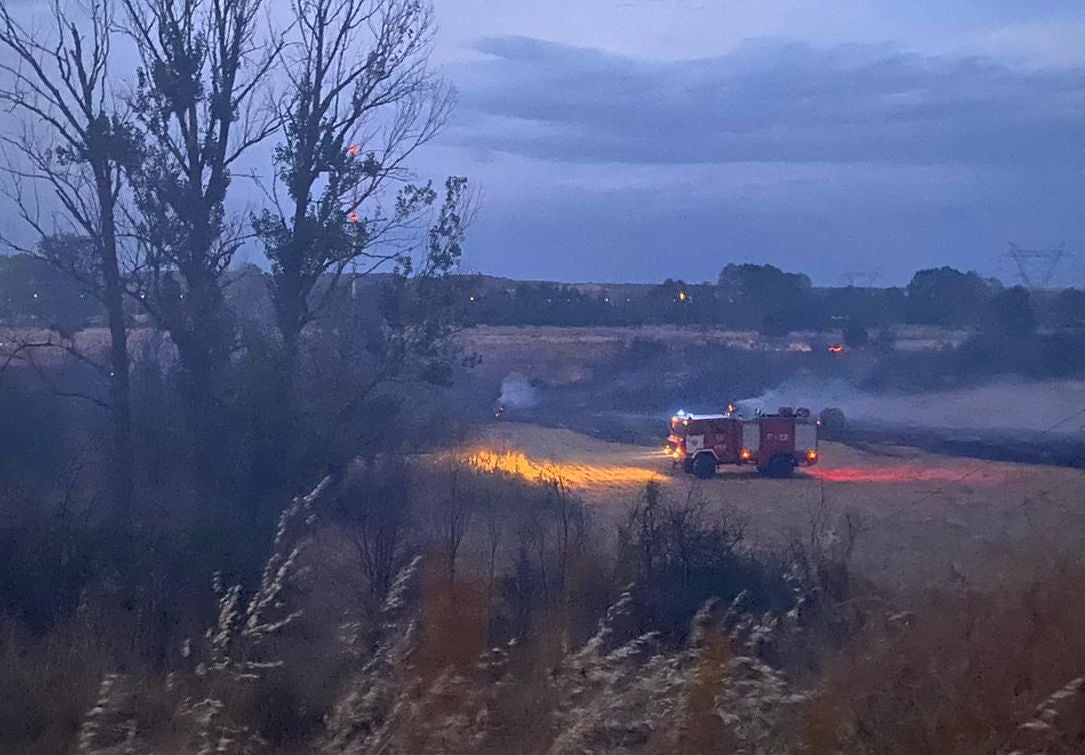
(564, 355)
(926, 520)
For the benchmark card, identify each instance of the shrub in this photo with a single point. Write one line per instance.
(678, 555)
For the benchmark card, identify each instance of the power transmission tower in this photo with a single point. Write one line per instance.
(861, 278)
(1036, 267)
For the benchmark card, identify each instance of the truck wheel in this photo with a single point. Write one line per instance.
(704, 466)
(778, 467)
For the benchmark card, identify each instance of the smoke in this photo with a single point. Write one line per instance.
(517, 392)
(1056, 407)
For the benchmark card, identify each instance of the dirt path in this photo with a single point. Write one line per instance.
(926, 518)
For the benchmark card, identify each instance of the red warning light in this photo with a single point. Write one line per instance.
(353, 217)
(354, 150)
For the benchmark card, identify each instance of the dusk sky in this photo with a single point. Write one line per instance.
(635, 140)
(642, 139)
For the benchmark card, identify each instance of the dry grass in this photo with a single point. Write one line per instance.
(303, 665)
(957, 674)
(931, 519)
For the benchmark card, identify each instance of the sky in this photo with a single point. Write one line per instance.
(636, 140)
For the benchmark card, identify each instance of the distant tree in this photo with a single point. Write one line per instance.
(945, 296)
(32, 290)
(1070, 308)
(1010, 313)
(673, 301)
(874, 306)
(556, 304)
(766, 297)
(746, 281)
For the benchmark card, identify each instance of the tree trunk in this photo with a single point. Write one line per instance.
(120, 407)
(201, 332)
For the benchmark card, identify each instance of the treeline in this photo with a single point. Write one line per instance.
(747, 296)
(774, 302)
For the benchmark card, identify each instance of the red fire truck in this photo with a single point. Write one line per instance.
(775, 443)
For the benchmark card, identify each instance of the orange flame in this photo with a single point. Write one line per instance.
(575, 476)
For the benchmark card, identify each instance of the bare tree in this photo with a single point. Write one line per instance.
(73, 145)
(361, 101)
(376, 514)
(202, 66)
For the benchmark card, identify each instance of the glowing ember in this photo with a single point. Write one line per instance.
(573, 475)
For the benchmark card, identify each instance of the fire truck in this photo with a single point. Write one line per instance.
(774, 443)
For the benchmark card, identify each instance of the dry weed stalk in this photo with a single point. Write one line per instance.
(1058, 728)
(205, 713)
(241, 627)
(109, 728)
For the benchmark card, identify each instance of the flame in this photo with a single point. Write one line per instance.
(575, 476)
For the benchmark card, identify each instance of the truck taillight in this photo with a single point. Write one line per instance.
(812, 455)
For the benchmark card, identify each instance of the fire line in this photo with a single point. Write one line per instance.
(575, 476)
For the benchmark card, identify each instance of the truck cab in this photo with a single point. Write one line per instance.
(701, 442)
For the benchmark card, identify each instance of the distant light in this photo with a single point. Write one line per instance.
(354, 150)
(682, 296)
(353, 217)
(35, 295)
(745, 455)
(472, 298)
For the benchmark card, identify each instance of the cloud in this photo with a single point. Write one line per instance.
(769, 101)
(822, 159)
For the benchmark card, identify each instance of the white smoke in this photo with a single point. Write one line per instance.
(1056, 407)
(517, 392)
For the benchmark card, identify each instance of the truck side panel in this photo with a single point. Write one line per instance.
(777, 438)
